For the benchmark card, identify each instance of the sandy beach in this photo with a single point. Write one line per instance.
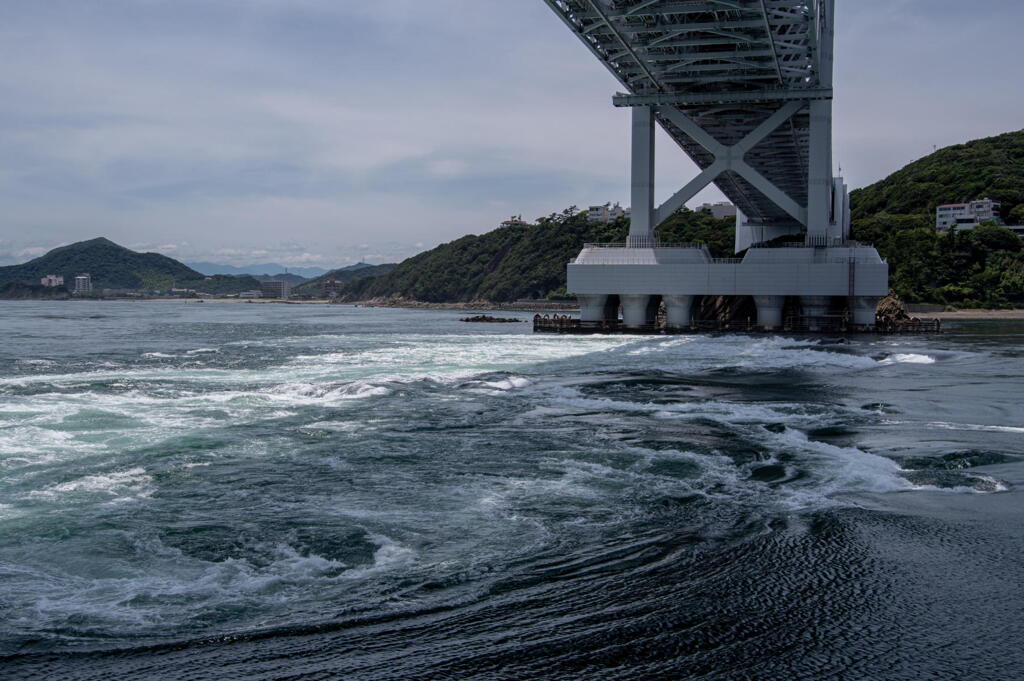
(969, 315)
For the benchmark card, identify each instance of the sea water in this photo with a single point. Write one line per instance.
(236, 491)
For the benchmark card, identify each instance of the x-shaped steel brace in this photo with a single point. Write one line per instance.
(731, 158)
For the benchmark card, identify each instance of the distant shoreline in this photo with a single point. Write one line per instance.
(979, 315)
(539, 306)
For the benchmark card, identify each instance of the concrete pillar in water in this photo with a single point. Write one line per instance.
(815, 306)
(592, 307)
(769, 311)
(864, 309)
(635, 310)
(678, 310)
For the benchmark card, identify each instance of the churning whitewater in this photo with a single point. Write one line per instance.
(269, 491)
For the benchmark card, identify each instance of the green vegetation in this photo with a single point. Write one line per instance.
(16, 290)
(116, 267)
(977, 268)
(344, 275)
(514, 263)
(991, 167)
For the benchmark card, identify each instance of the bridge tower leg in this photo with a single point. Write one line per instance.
(821, 220)
(641, 231)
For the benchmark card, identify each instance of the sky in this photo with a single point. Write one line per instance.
(326, 132)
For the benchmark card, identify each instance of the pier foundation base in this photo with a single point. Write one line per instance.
(769, 311)
(678, 311)
(636, 311)
(592, 307)
(864, 309)
(814, 308)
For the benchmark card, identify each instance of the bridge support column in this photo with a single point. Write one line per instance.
(636, 311)
(592, 307)
(769, 311)
(641, 229)
(864, 309)
(678, 311)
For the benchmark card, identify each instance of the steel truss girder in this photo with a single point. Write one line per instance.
(727, 66)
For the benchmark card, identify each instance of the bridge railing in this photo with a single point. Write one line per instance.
(819, 242)
(654, 244)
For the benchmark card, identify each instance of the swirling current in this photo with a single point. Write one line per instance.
(228, 491)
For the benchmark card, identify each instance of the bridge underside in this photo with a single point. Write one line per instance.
(744, 87)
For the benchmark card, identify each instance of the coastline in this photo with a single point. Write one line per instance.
(524, 306)
(977, 315)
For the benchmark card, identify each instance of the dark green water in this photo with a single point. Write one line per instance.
(294, 492)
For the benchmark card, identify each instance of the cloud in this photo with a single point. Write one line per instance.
(277, 129)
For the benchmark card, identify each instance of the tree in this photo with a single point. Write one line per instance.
(1016, 216)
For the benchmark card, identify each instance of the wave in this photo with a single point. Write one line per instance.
(133, 483)
(907, 358)
(975, 427)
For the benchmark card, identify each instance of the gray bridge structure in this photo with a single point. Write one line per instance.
(744, 87)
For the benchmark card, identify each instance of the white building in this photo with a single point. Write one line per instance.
(958, 216)
(83, 283)
(275, 289)
(721, 210)
(250, 294)
(617, 211)
(605, 213)
(52, 280)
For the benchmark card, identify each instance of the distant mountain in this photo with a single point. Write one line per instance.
(344, 275)
(210, 268)
(116, 267)
(292, 279)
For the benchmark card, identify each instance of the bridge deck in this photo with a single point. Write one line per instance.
(726, 64)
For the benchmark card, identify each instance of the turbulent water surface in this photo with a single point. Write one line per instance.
(302, 492)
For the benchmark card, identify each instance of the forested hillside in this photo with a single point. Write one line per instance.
(984, 267)
(343, 274)
(992, 167)
(514, 263)
(116, 267)
(979, 268)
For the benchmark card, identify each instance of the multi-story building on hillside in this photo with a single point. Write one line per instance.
(514, 221)
(52, 280)
(959, 216)
(330, 288)
(606, 213)
(275, 289)
(720, 210)
(83, 283)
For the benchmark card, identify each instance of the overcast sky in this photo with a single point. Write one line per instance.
(322, 132)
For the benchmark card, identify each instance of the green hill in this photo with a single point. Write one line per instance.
(983, 267)
(514, 263)
(116, 267)
(991, 167)
(344, 275)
